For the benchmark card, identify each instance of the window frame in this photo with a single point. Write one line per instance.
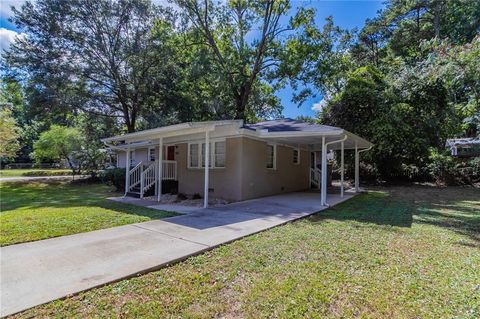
(274, 157)
(133, 162)
(298, 156)
(154, 154)
(212, 161)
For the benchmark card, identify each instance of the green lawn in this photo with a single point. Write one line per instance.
(402, 252)
(38, 210)
(34, 172)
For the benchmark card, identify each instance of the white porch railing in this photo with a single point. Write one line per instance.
(144, 177)
(315, 174)
(169, 170)
(149, 178)
(135, 176)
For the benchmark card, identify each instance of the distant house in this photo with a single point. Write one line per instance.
(464, 147)
(244, 160)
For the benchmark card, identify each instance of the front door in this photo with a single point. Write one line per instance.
(171, 153)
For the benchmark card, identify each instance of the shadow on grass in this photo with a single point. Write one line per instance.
(56, 194)
(375, 207)
(453, 208)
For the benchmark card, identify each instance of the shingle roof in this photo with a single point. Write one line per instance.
(290, 125)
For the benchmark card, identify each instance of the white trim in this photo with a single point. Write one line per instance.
(230, 128)
(211, 151)
(132, 158)
(127, 171)
(175, 130)
(159, 169)
(323, 189)
(274, 164)
(206, 168)
(198, 158)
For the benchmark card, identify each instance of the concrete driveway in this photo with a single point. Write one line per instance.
(42, 271)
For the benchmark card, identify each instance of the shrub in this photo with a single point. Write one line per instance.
(196, 196)
(447, 170)
(115, 177)
(441, 168)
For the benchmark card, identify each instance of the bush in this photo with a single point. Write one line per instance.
(115, 177)
(447, 170)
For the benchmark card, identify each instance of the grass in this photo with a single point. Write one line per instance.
(38, 210)
(34, 172)
(402, 252)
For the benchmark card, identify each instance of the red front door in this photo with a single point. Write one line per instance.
(170, 153)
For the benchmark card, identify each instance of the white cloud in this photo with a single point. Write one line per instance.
(320, 105)
(7, 37)
(6, 7)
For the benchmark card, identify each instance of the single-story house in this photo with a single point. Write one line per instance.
(244, 160)
(464, 147)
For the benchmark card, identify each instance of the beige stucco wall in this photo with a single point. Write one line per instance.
(245, 175)
(258, 181)
(223, 182)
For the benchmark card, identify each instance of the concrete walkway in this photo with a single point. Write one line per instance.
(45, 270)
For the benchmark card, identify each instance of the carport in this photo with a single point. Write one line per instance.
(318, 138)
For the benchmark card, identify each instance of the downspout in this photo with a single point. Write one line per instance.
(325, 190)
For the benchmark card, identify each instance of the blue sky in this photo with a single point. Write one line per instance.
(347, 14)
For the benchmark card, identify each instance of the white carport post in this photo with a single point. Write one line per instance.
(160, 168)
(357, 170)
(207, 164)
(323, 189)
(127, 171)
(326, 147)
(342, 169)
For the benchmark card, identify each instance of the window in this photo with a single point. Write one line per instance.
(132, 158)
(271, 156)
(296, 156)
(219, 154)
(216, 158)
(193, 155)
(151, 154)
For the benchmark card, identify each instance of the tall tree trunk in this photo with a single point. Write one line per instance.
(241, 101)
(436, 17)
(130, 126)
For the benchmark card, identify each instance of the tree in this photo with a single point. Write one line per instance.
(317, 59)
(29, 124)
(9, 134)
(95, 55)
(403, 25)
(242, 66)
(59, 143)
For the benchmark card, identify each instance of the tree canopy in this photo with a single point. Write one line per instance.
(408, 80)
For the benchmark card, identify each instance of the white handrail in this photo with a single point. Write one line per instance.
(149, 176)
(135, 176)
